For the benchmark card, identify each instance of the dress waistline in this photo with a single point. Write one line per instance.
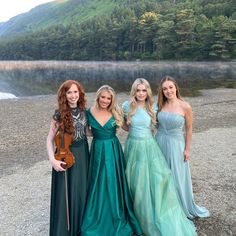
(176, 132)
(77, 143)
(140, 137)
(105, 137)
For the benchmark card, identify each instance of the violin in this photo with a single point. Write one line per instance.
(63, 153)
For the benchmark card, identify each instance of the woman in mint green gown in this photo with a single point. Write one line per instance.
(109, 210)
(174, 118)
(150, 181)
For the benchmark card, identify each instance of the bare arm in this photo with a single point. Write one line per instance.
(188, 130)
(125, 127)
(89, 131)
(50, 147)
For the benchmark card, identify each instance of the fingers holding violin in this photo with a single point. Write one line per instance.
(58, 165)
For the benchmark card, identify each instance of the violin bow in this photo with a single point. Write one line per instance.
(66, 188)
(67, 202)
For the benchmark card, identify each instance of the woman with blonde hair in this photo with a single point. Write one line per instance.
(149, 179)
(174, 137)
(66, 213)
(109, 208)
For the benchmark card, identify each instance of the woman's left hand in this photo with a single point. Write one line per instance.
(186, 155)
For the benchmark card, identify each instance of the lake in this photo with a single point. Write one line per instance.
(28, 78)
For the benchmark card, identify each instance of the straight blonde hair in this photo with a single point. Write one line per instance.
(148, 102)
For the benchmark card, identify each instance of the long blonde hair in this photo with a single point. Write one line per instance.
(161, 97)
(113, 107)
(148, 101)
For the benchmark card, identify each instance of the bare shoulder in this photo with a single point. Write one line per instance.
(92, 109)
(186, 107)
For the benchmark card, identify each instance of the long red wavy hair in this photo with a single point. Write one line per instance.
(66, 121)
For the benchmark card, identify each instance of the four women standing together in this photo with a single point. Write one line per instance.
(125, 190)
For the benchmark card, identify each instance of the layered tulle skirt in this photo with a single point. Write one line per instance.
(151, 186)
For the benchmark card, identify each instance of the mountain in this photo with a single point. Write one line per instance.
(54, 13)
(122, 30)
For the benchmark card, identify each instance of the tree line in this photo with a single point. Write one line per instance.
(145, 30)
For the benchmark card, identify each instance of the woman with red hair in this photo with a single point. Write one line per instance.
(67, 204)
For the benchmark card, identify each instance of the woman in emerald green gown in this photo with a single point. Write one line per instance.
(70, 118)
(109, 209)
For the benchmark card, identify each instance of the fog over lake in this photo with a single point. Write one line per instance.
(27, 78)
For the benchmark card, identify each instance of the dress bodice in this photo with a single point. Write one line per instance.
(107, 131)
(79, 122)
(140, 126)
(170, 123)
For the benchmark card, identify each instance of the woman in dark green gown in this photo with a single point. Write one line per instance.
(70, 118)
(109, 209)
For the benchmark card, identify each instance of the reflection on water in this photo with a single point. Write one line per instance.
(6, 95)
(24, 78)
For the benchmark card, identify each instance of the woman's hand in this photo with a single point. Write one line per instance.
(57, 165)
(186, 155)
(125, 127)
(89, 131)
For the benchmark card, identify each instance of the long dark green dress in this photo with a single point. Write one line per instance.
(109, 210)
(77, 183)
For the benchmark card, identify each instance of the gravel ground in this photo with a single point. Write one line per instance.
(25, 173)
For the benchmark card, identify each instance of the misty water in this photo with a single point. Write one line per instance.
(28, 78)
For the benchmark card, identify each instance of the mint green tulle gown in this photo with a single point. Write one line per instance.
(109, 210)
(150, 182)
(171, 140)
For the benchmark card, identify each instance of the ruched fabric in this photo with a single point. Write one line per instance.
(171, 140)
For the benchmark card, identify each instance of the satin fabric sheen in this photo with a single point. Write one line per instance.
(109, 210)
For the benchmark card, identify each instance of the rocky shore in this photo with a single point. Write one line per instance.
(25, 173)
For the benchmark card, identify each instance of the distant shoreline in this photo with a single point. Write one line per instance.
(27, 78)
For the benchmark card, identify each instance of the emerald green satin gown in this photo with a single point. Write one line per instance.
(109, 210)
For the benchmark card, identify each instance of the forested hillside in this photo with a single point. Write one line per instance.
(124, 30)
(55, 13)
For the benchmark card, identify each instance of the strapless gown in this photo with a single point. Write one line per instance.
(171, 140)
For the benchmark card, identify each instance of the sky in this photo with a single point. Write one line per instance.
(10, 8)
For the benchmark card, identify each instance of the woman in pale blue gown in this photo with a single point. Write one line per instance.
(149, 179)
(174, 117)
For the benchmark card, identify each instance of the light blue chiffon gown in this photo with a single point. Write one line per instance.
(171, 140)
(150, 182)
